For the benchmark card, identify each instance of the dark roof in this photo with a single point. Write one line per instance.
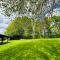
(1, 35)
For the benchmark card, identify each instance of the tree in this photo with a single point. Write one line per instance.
(21, 6)
(54, 26)
(16, 6)
(19, 26)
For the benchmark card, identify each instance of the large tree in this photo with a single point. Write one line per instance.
(21, 6)
(19, 26)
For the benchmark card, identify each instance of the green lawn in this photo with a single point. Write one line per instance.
(37, 49)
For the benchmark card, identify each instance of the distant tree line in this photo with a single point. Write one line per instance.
(22, 27)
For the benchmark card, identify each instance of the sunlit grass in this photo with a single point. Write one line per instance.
(33, 49)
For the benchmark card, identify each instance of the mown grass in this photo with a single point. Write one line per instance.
(37, 49)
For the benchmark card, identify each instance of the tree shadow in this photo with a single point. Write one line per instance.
(4, 43)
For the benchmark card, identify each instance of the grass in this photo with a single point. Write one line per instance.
(37, 49)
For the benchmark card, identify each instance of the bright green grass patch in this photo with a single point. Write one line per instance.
(37, 49)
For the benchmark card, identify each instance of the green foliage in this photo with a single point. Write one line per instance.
(56, 18)
(32, 28)
(13, 27)
(24, 26)
(19, 26)
(54, 26)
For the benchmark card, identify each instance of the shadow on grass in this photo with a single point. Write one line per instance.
(4, 43)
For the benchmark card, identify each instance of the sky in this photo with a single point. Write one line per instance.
(4, 21)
